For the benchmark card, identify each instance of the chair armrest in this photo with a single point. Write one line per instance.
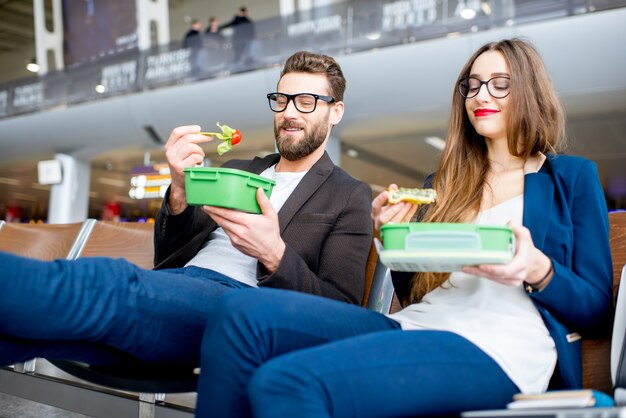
(381, 291)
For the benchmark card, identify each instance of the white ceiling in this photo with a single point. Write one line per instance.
(395, 97)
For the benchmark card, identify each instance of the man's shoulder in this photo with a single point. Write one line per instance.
(341, 177)
(335, 174)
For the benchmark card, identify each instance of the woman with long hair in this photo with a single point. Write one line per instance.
(465, 340)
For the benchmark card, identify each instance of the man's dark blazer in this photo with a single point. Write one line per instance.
(565, 211)
(325, 224)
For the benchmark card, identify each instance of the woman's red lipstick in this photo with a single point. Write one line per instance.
(485, 112)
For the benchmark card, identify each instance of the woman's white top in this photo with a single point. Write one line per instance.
(219, 254)
(501, 320)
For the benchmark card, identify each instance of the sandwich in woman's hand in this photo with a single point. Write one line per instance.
(416, 196)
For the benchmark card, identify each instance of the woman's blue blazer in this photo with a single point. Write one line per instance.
(565, 211)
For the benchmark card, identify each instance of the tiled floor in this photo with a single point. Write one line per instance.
(12, 407)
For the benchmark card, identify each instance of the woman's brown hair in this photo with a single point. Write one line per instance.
(535, 125)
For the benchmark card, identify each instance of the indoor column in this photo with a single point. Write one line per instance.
(69, 199)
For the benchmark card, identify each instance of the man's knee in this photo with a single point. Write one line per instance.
(240, 316)
(231, 314)
(234, 303)
(280, 386)
(248, 303)
(276, 378)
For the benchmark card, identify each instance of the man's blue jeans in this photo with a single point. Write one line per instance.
(103, 310)
(276, 353)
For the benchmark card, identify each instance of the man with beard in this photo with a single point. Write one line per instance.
(312, 236)
(316, 210)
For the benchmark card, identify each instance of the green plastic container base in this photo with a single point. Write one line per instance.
(444, 247)
(225, 187)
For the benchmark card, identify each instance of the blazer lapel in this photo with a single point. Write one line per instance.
(311, 181)
(538, 200)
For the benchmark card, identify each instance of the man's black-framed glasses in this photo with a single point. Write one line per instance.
(498, 87)
(304, 102)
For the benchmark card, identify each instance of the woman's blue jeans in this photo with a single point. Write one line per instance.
(276, 353)
(103, 310)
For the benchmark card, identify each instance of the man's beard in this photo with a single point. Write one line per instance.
(292, 149)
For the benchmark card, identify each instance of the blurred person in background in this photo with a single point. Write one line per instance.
(194, 42)
(193, 37)
(111, 211)
(213, 33)
(243, 36)
(13, 214)
(214, 43)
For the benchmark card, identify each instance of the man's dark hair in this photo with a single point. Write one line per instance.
(309, 62)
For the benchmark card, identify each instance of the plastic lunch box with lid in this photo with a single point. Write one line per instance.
(444, 247)
(225, 187)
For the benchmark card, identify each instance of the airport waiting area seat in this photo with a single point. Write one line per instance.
(92, 238)
(41, 241)
(133, 241)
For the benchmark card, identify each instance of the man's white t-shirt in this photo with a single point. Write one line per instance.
(219, 255)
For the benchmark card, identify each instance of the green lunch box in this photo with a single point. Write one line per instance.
(444, 247)
(225, 187)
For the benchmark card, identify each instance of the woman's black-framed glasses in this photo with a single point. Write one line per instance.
(304, 102)
(497, 87)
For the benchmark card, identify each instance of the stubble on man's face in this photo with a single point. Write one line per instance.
(293, 149)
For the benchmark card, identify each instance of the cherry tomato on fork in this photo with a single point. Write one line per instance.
(236, 138)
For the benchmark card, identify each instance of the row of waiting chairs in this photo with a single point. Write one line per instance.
(134, 241)
(130, 240)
